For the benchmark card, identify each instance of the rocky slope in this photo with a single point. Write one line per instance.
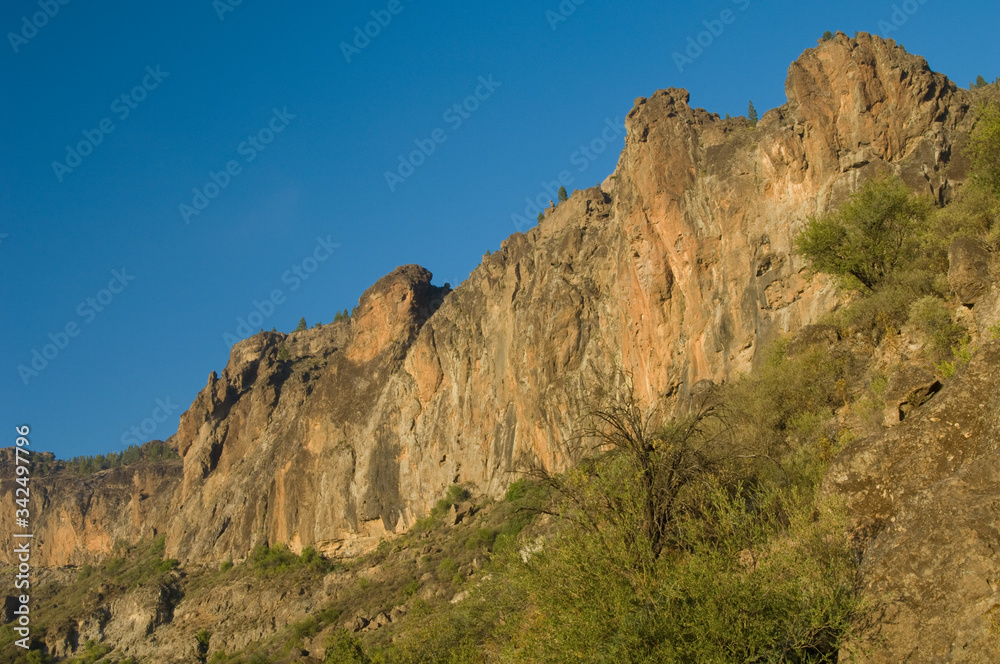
(678, 270)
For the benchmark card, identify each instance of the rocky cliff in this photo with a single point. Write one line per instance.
(678, 269)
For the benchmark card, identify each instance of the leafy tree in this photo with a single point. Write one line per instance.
(563, 196)
(302, 325)
(984, 146)
(752, 114)
(827, 36)
(868, 237)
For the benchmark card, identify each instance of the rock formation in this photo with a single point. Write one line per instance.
(680, 270)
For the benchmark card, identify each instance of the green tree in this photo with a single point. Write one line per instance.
(752, 114)
(984, 146)
(827, 36)
(563, 196)
(868, 237)
(302, 325)
(541, 217)
(981, 82)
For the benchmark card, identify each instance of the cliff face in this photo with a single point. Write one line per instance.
(678, 269)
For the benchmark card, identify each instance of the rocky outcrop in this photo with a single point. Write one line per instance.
(678, 271)
(926, 495)
(968, 272)
(77, 520)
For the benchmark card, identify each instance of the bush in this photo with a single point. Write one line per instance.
(984, 146)
(483, 538)
(411, 588)
(275, 559)
(930, 315)
(202, 639)
(304, 629)
(345, 648)
(868, 237)
(446, 569)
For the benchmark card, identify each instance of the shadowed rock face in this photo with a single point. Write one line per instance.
(927, 495)
(679, 269)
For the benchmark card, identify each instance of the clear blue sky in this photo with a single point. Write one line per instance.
(219, 81)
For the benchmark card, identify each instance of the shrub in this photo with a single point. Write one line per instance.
(984, 146)
(304, 629)
(930, 315)
(447, 568)
(202, 639)
(411, 588)
(275, 559)
(517, 490)
(483, 538)
(344, 648)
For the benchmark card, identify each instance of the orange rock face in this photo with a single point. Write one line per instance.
(679, 269)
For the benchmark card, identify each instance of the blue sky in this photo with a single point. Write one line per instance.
(132, 297)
